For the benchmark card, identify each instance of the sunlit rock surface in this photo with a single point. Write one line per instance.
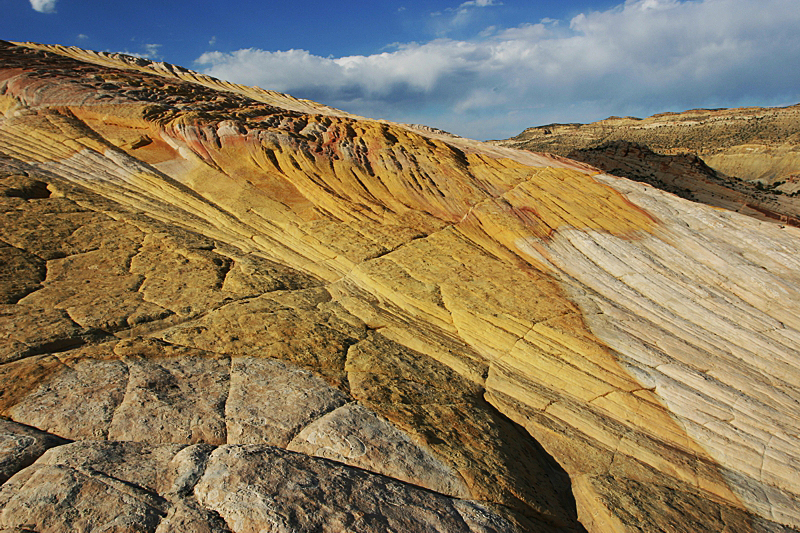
(225, 309)
(745, 159)
(749, 142)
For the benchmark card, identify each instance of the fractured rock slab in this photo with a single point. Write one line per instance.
(294, 491)
(271, 401)
(355, 436)
(21, 445)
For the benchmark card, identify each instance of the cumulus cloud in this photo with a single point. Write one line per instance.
(640, 57)
(44, 6)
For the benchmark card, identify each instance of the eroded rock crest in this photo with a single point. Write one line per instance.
(229, 310)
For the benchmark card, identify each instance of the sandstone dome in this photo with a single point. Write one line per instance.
(225, 309)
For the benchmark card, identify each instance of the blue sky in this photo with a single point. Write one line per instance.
(479, 68)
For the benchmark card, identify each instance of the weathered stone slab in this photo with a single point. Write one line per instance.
(21, 445)
(271, 401)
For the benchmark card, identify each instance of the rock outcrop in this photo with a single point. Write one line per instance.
(751, 143)
(746, 159)
(228, 310)
(687, 176)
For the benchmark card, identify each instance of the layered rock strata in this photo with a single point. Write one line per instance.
(751, 143)
(226, 312)
(687, 176)
(745, 159)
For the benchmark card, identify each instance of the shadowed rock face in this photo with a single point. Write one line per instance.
(225, 309)
(687, 176)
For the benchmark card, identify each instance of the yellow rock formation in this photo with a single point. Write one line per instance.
(540, 346)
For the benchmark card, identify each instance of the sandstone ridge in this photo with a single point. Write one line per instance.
(228, 310)
(751, 155)
(750, 142)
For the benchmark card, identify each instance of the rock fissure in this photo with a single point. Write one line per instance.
(127, 388)
(763, 457)
(116, 483)
(516, 343)
(51, 348)
(621, 391)
(450, 226)
(227, 397)
(548, 404)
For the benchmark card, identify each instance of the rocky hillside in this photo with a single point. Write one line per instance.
(750, 156)
(228, 310)
(688, 176)
(751, 143)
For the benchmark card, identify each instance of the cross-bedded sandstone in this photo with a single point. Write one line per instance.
(252, 312)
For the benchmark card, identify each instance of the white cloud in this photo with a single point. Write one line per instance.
(82, 36)
(463, 15)
(44, 6)
(465, 7)
(479, 3)
(641, 57)
(151, 51)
